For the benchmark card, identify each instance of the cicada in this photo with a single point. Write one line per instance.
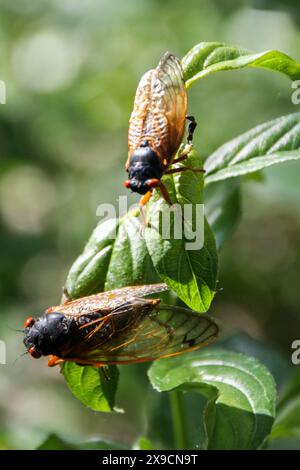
(117, 327)
(156, 128)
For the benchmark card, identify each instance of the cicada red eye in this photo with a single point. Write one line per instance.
(33, 352)
(29, 322)
(127, 184)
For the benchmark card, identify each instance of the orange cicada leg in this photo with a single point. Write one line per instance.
(54, 360)
(165, 193)
(143, 201)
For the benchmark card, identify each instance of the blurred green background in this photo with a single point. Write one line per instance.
(71, 68)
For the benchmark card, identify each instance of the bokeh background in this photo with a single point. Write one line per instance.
(71, 68)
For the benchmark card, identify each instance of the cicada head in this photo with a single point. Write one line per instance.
(49, 334)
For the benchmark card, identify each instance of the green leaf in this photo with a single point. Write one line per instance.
(88, 273)
(210, 57)
(275, 361)
(143, 444)
(130, 262)
(187, 265)
(91, 386)
(57, 442)
(254, 164)
(240, 394)
(161, 428)
(287, 424)
(223, 208)
(291, 389)
(115, 256)
(276, 141)
(159, 420)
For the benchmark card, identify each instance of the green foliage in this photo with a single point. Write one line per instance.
(275, 362)
(94, 387)
(143, 444)
(57, 442)
(235, 393)
(71, 70)
(210, 57)
(287, 423)
(128, 259)
(240, 394)
(273, 142)
(88, 273)
(223, 208)
(190, 273)
(115, 256)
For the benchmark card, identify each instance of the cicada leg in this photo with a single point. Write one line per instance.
(191, 128)
(183, 154)
(153, 183)
(181, 158)
(143, 201)
(165, 193)
(54, 361)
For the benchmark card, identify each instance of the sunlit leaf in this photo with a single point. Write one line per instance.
(115, 256)
(287, 423)
(240, 394)
(273, 142)
(276, 362)
(188, 265)
(143, 444)
(91, 386)
(130, 262)
(88, 273)
(209, 57)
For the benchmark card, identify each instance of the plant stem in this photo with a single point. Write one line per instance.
(177, 413)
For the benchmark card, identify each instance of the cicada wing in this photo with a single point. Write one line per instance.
(107, 301)
(157, 332)
(168, 107)
(160, 109)
(140, 116)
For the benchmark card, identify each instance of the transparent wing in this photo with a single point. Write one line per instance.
(147, 333)
(139, 119)
(169, 106)
(107, 301)
(160, 109)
